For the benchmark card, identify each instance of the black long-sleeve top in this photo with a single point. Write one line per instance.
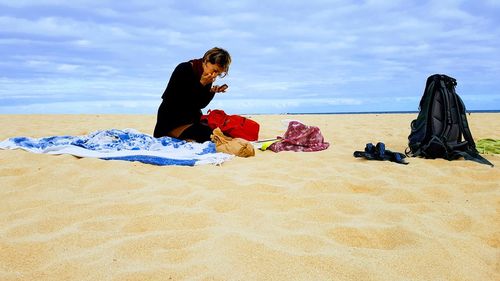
(183, 100)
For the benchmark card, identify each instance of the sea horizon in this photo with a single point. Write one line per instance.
(384, 112)
(284, 113)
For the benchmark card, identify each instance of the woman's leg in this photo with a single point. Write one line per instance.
(197, 132)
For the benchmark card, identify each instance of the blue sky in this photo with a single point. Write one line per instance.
(288, 56)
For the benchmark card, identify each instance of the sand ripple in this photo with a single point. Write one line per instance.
(285, 216)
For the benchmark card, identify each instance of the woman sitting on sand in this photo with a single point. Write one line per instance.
(189, 90)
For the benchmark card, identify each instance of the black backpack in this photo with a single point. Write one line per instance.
(441, 129)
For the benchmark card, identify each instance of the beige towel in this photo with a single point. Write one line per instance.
(235, 146)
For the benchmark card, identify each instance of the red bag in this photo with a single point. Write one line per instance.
(235, 126)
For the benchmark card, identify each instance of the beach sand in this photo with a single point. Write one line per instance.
(276, 216)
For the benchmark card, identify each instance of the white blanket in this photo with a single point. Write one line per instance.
(127, 144)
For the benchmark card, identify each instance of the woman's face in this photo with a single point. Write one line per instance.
(211, 70)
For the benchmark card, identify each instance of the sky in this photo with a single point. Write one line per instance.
(315, 56)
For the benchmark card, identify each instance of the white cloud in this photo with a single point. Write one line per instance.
(327, 51)
(67, 67)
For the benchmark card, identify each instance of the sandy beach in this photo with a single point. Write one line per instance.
(276, 216)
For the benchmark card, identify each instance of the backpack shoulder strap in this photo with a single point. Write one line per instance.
(445, 92)
(473, 156)
(464, 124)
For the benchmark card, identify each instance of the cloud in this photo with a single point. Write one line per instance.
(310, 55)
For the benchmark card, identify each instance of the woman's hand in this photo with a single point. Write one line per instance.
(219, 89)
(207, 79)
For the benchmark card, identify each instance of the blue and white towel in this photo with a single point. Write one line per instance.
(127, 144)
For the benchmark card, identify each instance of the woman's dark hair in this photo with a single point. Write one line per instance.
(220, 57)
